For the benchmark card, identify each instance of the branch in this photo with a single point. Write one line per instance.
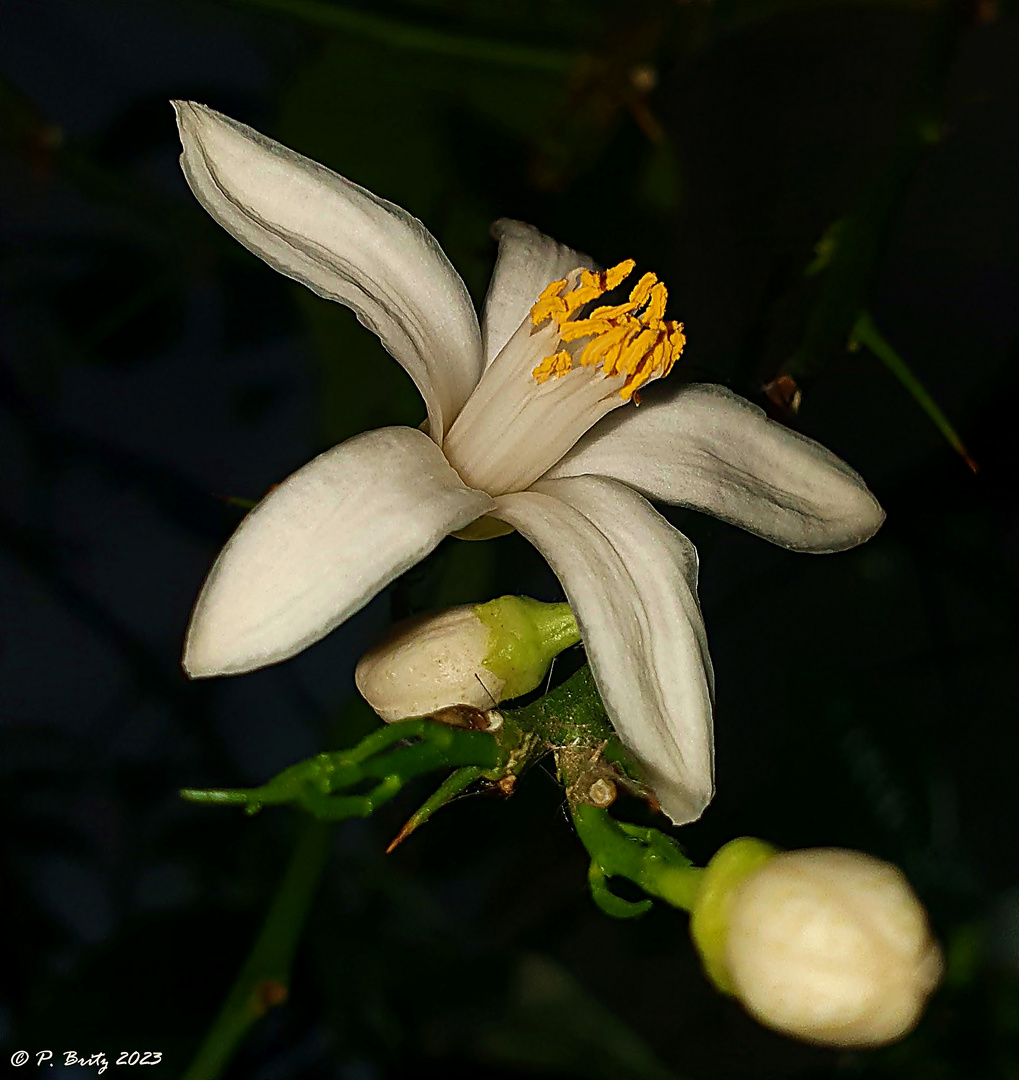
(264, 981)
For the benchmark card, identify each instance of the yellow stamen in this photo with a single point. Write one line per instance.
(631, 339)
(549, 305)
(552, 367)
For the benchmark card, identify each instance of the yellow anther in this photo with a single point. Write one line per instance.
(631, 339)
(642, 290)
(605, 347)
(550, 304)
(618, 273)
(552, 367)
(655, 311)
(638, 298)
(580, 328)
(635, 351)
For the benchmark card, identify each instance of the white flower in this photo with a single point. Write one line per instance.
(831, 946)
(513, 438)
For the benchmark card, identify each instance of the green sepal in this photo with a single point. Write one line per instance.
(709, 916)
(525, 635)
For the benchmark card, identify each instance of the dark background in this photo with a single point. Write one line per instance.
(151, 369)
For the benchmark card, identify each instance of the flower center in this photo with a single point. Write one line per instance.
(631, 339)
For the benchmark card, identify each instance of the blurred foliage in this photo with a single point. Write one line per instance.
(864, 699)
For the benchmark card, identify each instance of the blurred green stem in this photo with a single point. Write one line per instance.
(264, 981)
(849, 252)
(867, 334)
(387, 30)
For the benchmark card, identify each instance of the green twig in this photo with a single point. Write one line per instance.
(849, 251)
(644, 856)
(423, 39)
(264, 981)
(867, 334)
(322, 784)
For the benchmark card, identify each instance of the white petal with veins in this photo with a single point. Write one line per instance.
(706, 448)
(321, 545)
(513, 427)
(345, 244)
(528, 260)
(631, 580)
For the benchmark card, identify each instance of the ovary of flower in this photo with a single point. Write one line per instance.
(562, 459)
(630, 339)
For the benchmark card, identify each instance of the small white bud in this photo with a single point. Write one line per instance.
(473, 655)
(831, 946)
(428, 663)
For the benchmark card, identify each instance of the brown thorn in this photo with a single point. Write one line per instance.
(402, 835)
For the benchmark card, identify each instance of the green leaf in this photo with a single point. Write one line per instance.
(866, 333)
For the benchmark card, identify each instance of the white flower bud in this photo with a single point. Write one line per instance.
(831, 946)
(429, 663)
(472, 655)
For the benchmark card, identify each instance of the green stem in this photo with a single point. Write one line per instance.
(853, 244)
(314, 783)
(264, 981)
(646, 857)
(867, 334)
(570, 710)
(386, 30)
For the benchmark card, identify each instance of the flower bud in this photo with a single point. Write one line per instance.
(828, 945)
(472, 655)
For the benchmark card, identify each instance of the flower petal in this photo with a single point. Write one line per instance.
(631, 579)
(528, 260)
(321, 545)
(514, 427)
(344, 243)
(707, 448)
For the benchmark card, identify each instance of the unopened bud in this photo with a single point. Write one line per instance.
(472, 655)
(828, 945)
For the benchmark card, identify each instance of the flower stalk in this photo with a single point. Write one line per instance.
(264, 980)
(644, 856)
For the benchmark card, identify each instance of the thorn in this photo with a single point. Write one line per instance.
(453, 785)
(964, 454)
(402, 835)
